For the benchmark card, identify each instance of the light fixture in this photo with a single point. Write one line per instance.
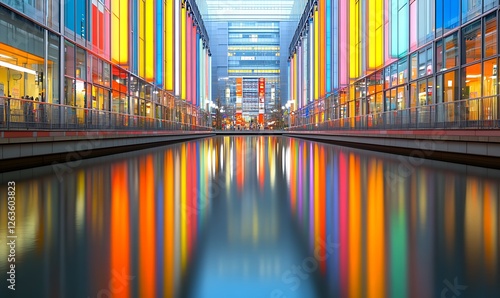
(6, 57)
(18, 68)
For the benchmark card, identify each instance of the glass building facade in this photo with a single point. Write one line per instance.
(406, 63)
(148, 58)
(253, 54)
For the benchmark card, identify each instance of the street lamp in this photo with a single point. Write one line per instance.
(288, 106)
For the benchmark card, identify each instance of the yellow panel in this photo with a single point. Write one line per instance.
(115, 38)
(183, 54)
(124, 32)
(142, 30)
(169, 46)
(375, 34)
(150, 40)
(316, 55)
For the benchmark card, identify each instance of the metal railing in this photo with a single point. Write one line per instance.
(18, 114)
(479, 113)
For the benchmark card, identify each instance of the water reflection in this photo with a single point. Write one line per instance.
(256, 217)
(424, 231)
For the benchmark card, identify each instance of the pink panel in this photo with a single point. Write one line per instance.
(343, 44)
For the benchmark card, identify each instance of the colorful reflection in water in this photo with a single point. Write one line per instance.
(256, 217)
(401, 227)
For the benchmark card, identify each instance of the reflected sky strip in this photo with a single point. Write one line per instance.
(168, 262)
(160, 219)
(120, 230)
(147, 284)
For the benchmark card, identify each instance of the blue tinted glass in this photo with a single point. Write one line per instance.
(451, 16)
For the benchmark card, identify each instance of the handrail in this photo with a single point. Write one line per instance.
(20, 113)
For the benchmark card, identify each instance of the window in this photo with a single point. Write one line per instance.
(490, 35)
(69, 58)
(414, 66)
(471, 81)
(471, 9)
(439, 55)
(471, 42)
(451, 51)
(490, 77)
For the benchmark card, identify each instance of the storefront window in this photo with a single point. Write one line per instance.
(471, 81)
(425, 62)
(106, 74)
(53, 14)
(451, 51)
(489, 4)
(471, 42)
(402, 71)
(401, 99)
(422, 93)
(470, 9)
(450, 86)
(81, 64)
(413, 95)
(490, 35)
(69, 59)
(69, 91)
(414, 67)
(439, 55)
(490, 77)
(52, 77)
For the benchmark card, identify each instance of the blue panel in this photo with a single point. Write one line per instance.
(439, 17)
(404, 27)
(159, 43)
(81, 19)
(135, 37)
(69, 14)
(451, 16)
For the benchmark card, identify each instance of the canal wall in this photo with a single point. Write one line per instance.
(27, 149)
(472, 147)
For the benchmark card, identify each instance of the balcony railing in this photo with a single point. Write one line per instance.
(472, 113)
(23, 114)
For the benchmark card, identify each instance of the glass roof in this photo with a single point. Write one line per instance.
(269, 10)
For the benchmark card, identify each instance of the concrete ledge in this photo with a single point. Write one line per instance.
(35, 152)
(478, 148)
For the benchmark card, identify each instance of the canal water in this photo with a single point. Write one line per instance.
(253, 216)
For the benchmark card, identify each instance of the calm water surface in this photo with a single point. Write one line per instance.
(254, 217)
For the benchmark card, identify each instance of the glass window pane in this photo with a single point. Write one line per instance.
(52, 77)
(413, 95)
(81, 65)
(470, 9)
(489, 4)
(471, 81)
(490, 77)
(451, 51)
(451, 16)
(402, 71)
(422, 93)
(414, 66)
(401, 99)
(430, 91)
(450, 86)
(69, 58)
(471, 43)
(439, 89)
(490, 35)
(439, 55)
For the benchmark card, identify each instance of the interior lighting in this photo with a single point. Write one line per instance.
(18, 68)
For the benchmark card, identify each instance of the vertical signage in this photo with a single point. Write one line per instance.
(239, 101)
(262, 96)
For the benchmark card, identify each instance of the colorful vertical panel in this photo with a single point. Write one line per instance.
(169, 24)
(159, 50)
(183, 53)
(150, 41)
